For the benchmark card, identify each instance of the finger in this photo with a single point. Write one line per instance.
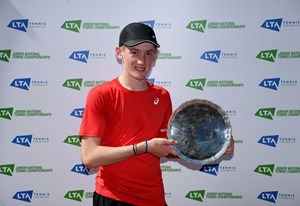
(173, 153)
(171, 142)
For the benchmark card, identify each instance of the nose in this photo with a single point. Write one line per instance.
(142, 59)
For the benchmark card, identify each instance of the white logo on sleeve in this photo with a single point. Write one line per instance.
(156, 101)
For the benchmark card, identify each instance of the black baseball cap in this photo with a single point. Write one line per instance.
(137, 33)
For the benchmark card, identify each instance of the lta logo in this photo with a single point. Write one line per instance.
(197, 195)
(270, 196)
(23, 140)
(25, 196)
(73, 83)
(73, 140)
(265, 169)
(211, 169)
(73, 25)
(196, 84)
(267, 55)
(76, 195)
(212, 56)
(272, 83)
(6, 113)
(81, 56)
(5, 55)
(80, 169)
(197, 25)
(270, 140)
(267, 113)
(77, 112)
(272, 24)
(19, 24)
(7, 169)
(150, 23)
(23, 83)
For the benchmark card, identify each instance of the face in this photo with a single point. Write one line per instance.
(137, 60)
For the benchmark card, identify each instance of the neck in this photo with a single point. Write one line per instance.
(135, 85)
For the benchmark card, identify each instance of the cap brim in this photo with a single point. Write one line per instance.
(136, 42)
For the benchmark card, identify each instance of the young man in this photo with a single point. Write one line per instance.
(124, 127)
(123, 130)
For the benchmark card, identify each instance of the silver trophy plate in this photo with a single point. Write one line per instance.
(202, 129)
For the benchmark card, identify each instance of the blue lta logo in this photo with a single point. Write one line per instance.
(212, 56)
(77, 112)
(211, 169)
(23, 140)
(272, 24)
(81, 56)
(19, 24)
(25, 196)
(23, 83)
(270, 196)
(270, 140)
(272, 83)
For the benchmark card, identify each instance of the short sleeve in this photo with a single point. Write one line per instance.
(93, 121)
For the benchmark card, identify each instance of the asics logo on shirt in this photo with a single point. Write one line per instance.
(156, 100)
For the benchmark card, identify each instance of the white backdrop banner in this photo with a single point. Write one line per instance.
(242, 55)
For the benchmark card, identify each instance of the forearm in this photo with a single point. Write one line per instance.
(94, 154)
(103, 155)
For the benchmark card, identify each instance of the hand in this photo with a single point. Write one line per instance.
(161, 147)
(230, 148)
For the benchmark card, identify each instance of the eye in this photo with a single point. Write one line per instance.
(149, 53)
(133, 52)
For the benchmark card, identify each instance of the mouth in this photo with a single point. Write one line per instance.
(141, 69)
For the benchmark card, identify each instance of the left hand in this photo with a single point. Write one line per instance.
(230, 148)
(161, 147)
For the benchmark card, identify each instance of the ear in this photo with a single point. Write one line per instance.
(156, 54)
(119, 53)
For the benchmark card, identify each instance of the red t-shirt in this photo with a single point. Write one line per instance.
(123, 117)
